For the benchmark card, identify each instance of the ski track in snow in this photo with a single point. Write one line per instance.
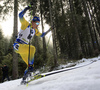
(84, 78)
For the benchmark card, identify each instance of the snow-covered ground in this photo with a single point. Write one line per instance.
(83, 78)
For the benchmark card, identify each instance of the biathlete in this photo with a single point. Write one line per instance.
(26, 33)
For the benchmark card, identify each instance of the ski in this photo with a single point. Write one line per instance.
(35, 77)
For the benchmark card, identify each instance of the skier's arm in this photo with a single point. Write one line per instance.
(37, 33)
(24, 23)
(21, 14)
(44, 33)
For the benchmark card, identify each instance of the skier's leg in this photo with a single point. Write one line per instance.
(31, 61)
(29, 69)
(25, 57)
(23, 50)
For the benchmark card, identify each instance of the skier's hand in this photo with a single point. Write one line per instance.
(31, 5)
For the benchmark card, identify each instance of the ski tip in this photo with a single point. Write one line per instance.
(27, 85)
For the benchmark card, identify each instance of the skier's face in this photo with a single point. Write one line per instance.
(35, 24)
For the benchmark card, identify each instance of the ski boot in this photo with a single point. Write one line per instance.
(28, 75)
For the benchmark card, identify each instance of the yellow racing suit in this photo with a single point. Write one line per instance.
(21, 44)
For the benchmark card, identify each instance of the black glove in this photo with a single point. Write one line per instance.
(31, 5)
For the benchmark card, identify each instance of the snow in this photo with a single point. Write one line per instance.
(83, 78)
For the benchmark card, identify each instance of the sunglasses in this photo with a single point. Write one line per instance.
(37, 23)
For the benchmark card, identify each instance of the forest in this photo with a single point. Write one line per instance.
(75, 34)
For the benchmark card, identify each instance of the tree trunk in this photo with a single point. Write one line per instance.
(44, 42)
(53, 36)
(93, 24)
(15, 56)
(89, 25)
(78, 48)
